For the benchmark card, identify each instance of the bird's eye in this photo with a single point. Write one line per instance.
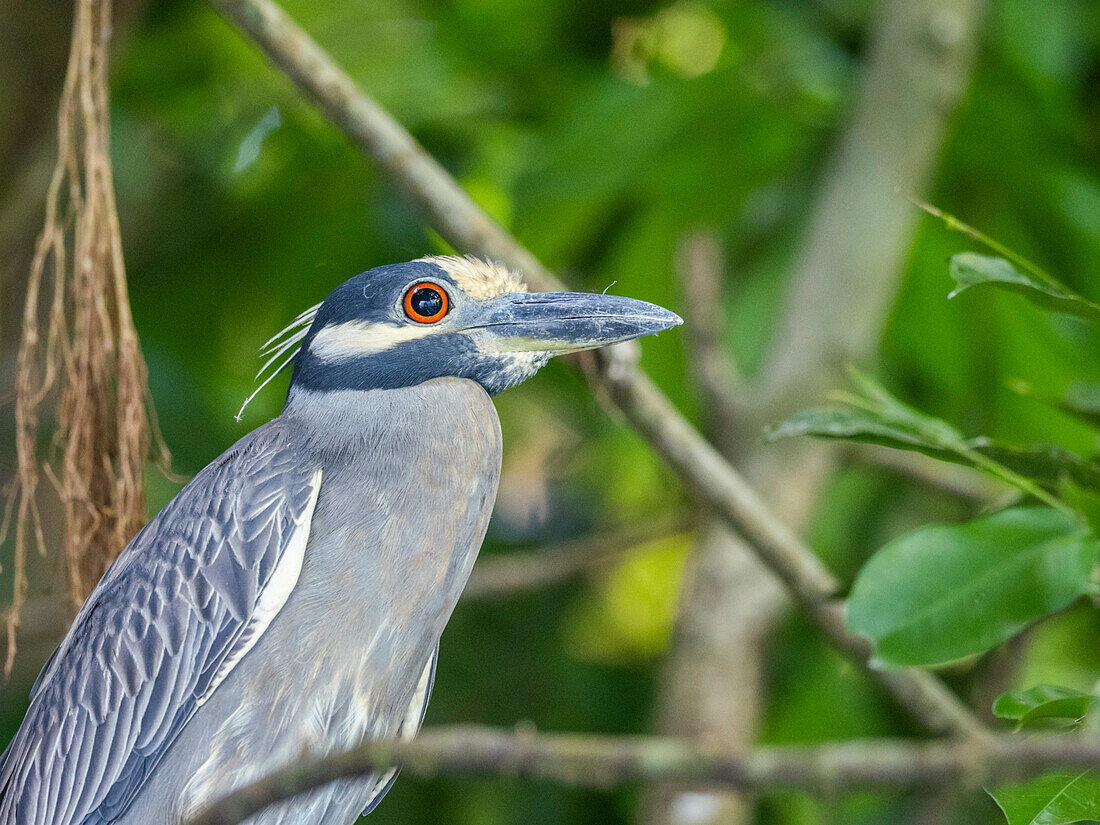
(426, 303)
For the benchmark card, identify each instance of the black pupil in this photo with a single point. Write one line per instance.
(426, 302)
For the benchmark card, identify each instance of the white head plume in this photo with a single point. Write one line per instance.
(288, 338)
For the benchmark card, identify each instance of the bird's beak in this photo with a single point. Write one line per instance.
(562, 322)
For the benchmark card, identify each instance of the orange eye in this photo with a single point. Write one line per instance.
(426, 303)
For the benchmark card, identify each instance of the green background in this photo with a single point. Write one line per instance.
(240, 206)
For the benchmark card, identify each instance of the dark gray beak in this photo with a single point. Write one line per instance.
(562, 322)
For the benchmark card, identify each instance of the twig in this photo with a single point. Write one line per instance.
(840, 288)
(604, 761)
(451, 211)
(729, 601)
(78, 346)
(720, 384)
(496, 577)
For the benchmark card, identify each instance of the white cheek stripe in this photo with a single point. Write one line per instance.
(355, 339)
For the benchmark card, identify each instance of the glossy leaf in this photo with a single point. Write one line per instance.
(1055, 799)
(946, 592)
(1042, 702)
(969, 269)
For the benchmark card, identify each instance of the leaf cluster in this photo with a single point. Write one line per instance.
(947, 593)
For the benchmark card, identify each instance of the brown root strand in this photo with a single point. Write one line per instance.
(90, 360)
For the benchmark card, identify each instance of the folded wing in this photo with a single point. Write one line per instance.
(183, 604)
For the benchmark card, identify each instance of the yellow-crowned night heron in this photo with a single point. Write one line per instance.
(291, 598)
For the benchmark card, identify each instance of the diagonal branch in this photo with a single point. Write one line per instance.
(451, 211)
(582, 760)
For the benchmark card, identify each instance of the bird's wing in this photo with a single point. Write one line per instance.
(186, 600)
(414, 718)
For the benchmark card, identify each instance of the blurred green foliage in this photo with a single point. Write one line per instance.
(600, 133)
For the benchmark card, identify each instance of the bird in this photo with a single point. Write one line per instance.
(290, 599)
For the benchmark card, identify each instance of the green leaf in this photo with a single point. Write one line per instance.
(851, 423)
(1045, 464)
(969, 269)
(1026, 707)
(1085, 501)
(1082, 401)
(943, 593)
(876, 417)
(1055, 799)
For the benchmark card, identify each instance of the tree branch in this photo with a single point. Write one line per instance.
(603, 761)
(721, 387)
(845, 275)
(495, 577)
(810, 583)
(451, 211)
(860, 230)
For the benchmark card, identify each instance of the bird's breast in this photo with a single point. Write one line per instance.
(407, 492)
(408, 484)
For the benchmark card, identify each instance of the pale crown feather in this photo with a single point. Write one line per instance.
(480, 279)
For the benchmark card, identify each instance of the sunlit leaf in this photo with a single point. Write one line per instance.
(969, 269)
(943, 593)
(631, 611)
(1042, 702)
(1055, 799)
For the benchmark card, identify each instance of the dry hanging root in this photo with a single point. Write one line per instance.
(88, 358)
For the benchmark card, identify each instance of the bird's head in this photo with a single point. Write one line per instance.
(402, 324)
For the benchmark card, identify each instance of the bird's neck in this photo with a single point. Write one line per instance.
(330, 420)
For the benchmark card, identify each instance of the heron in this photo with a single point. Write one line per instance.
(290, 599)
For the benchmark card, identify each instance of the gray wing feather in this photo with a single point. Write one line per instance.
(415, 718)
(155, 636)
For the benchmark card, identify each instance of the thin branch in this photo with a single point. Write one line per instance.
(451, 211)
(602, 762)
(729, 601)
(699, 268)
(496, 577)
(840, 289)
